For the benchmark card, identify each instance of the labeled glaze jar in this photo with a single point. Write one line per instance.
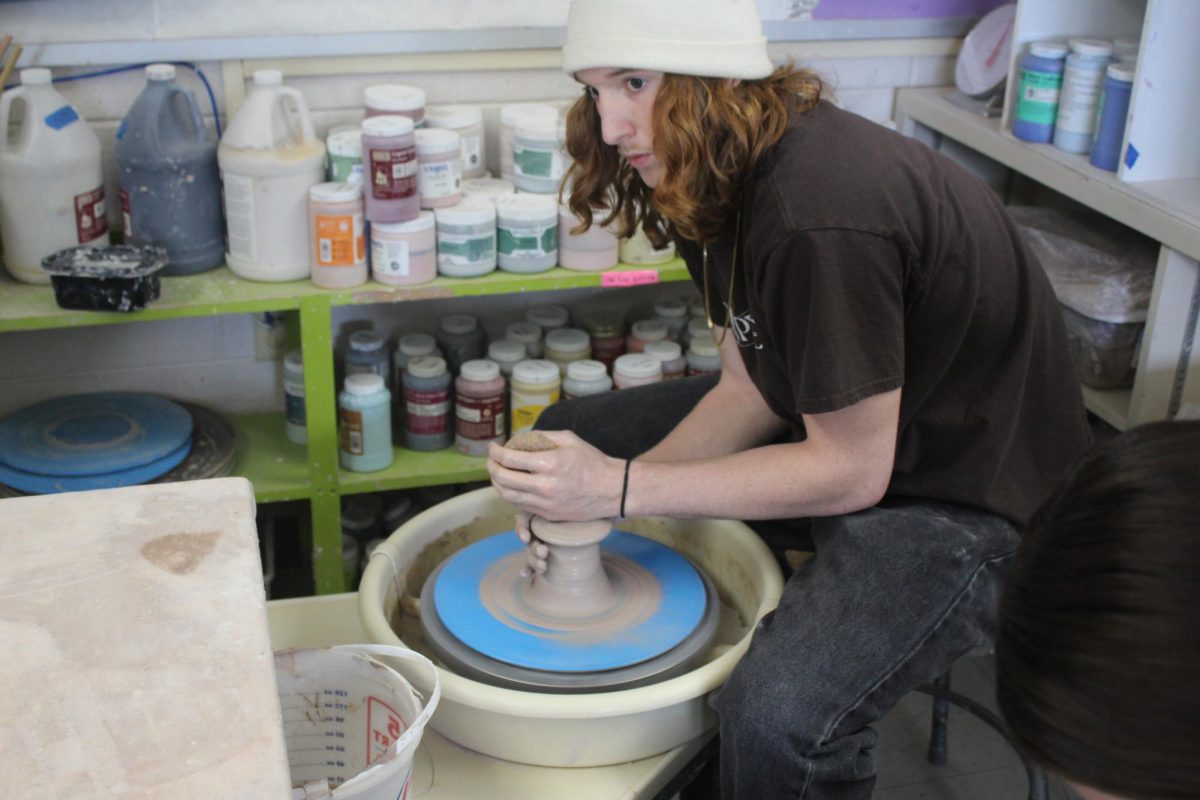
(592, 250)
(1083, 78)
(638, 249)
(674, 364)
(339, 251)
(478, 407)
(527, 333)
(606, 330)
(404, 253)
(511, 117)
(427, 409)
(467, 122)
(526, 233)
(390, 169)
(564, 345)
(703, 356)
(365, 353)
(293, 397)
(439, 167)
(584, 378)
(538, 156)
(344, 145)
(674, 313)
(395, 99)
(1037, 100)
(536, 384)
(548, 317)
(506, 353)
(466, 238)
(410, 346)
(643, 332)
(636, 369)
(1114, 109)
(364, 424)
(487, 188)
(460, 338)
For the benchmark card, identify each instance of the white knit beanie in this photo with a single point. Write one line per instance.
(711, 38)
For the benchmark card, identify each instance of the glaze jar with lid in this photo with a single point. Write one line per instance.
(674, 312)
(536, 384)
(527, 333)
(466, 238)
(365, 352)
(703, 356)
(636, 369)
(439, 167)
(638, 249)
(643, 332)
(537, 156)
(467, 122)
(460, 338)
(427, 405)
(548, 317)
(512, 116)
(404, 253)
(585, 377)
(607, 331)
(338, 243)
(506, 353)
(390, 169)
(526, 233)
(478, 407)
(395, 98)
(564, 345)
(344, 146)
(593, 250)
(364, 424)
(674, 365)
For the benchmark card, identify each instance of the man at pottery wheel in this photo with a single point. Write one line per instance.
(896, 392)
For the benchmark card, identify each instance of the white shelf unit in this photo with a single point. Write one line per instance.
(1158, 194)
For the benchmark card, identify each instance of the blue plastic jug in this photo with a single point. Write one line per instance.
(167, 171)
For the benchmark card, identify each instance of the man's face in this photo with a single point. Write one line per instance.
(624, 99)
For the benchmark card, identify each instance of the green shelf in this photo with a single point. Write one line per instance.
(411, 469)
(277, 467)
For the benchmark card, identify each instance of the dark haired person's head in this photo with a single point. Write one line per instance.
(680, 100)
(1098, 646)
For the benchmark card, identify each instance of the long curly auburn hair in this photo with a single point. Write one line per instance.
(708, 134)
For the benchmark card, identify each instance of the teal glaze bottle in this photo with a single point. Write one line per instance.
(167, 170)
(365, 423)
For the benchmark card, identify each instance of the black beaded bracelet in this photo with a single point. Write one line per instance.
(625, 486)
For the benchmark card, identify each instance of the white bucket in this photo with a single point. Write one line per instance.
(352, 723)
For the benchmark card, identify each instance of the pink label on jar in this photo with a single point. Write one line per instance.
(90, 222)
(393, 173)
(480, 418)
(428, 412)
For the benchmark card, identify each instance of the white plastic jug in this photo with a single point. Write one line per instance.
(269, 158)
(51, 181)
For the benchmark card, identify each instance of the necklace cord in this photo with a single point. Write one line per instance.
(737, 235)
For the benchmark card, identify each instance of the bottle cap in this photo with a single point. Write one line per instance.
(704, 346)
(365, 341)
(547, 316)
(664, 350)
(364, 383)
(537, 371)
(345, 142)
(35, 76)
(648, 330)
(1053, 50)
(586, 370)
(524, 332)
(422, 222)
(334, 192)
(426, 367)
(393, 97)
(387, 125)
(670, 308)
(453, 117)
(267, 77)
(479, 369)
(1092, 48)
(1120, 71)
(459, 323)
(160, 72)
(568, 339)
(468, 211)
(637, 365)
(490, 188)
(514, 113)
(438, 140)
(417, 344)
(507, 350)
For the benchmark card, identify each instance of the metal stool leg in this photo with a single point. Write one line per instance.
(938, 726)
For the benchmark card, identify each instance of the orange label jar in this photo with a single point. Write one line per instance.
(338, 246)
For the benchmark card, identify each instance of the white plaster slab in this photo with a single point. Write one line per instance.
(135, 657)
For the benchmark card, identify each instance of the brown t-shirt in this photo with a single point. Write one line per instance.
(869, 262)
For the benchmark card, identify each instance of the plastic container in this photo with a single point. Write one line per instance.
(1104, 353)
(527, 333)
(591, 251)
(512, 116)
(366, 707)
(460, 338)
(1037, 100)
(386, 99)
(536, 384)
(478, 407)
(507, 353)
(293, 398)
(390, 169)
(526, 233)
(487, 188)
(167, 170)
(1083, 78)
(51, 181)
(607, 332)
(107, 278)
(538, 156)
(269, 158)
(366, 354)
(364, 424)
(439, 167)
(1114, 111)
(548, 317)
(695, 327)
(643, 332)
(584, 378)
(339, 251)
(466, 238)
(427, 408)
(703, 356)
(636, 369)
(674, 365)
(404, 253)
(1125, 49)
(674, 313)
(410, 346)
(637, 249)
(564, 345)
(344, 144)
(467, 122)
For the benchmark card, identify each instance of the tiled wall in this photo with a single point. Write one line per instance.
(212, 360)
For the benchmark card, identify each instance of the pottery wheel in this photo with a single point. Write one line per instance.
(484, 620)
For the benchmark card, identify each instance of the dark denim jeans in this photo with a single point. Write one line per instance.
(892, 597)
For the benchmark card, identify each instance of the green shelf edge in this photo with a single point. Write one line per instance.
(219, 291)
